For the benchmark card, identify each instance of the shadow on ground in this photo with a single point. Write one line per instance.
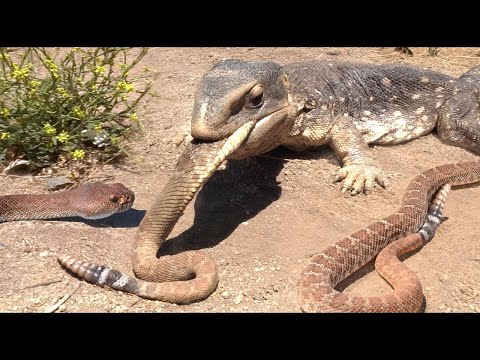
(230, 197)
(128, 219)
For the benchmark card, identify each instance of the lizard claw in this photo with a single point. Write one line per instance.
(360, 178)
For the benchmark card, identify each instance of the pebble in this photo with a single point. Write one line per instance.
(2, 246)
(44, 253)
(223, 262)
(443, 278)
(225, 294)
(178, 140)
(58, 182)
(238, 299)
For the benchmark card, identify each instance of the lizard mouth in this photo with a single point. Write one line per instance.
(267, 133)
(262, 121)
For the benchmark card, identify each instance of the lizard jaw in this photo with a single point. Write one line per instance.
(266, 135)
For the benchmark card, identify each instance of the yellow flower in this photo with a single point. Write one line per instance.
(34, 84)
(98, 127)
(33, 87)
(75, 49)
(123, 86)
(4, 56)
(145, 68)
(20, 74)
(124, 97)
(4, 135)
(94, 87)
(49, 129)
(63, 92)
(133, 116)
(78, 154)
(52, 67)
(78, 112)
(5, 112)
(63, 137)
(99, 69)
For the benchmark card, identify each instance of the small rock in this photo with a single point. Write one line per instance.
(275, 288)
(58, 182)
(223, 262)
(238, 299)
(225, 294)
(273, 268)
(44, 253)
(443, 278)
(441, 307)
(333, 53)
(2, 246)
(245, 223)
(428, 288)
(178, 140)
(62, 308)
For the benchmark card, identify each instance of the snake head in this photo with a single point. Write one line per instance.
(98, 200)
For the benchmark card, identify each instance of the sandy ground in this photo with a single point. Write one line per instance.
(261, 218)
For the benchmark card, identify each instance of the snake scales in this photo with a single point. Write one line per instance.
(192, 275)
(94, 200)
(337, 262)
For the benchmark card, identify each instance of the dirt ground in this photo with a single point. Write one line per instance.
(261, 218)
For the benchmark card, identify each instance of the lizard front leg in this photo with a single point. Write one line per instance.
(359, 170)
(320, 127)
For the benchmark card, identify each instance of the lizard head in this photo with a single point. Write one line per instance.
(235, 92)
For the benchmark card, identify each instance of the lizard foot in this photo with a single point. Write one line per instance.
(360, 178)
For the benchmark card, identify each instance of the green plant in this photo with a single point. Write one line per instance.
(433, 51)
(69, 103)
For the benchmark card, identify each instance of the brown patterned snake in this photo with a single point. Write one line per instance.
(337, 262)
(183, 278)
(90, 201)
(192, 275)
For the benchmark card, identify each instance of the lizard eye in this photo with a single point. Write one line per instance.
(113, 199)
(255, 98)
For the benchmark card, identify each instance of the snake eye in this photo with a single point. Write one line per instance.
(113, 199)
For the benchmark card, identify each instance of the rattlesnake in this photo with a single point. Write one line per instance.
(183, 278)
(94, 200)
(192, 276)
(337, 262)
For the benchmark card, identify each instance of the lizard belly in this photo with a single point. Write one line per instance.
(395, 128)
